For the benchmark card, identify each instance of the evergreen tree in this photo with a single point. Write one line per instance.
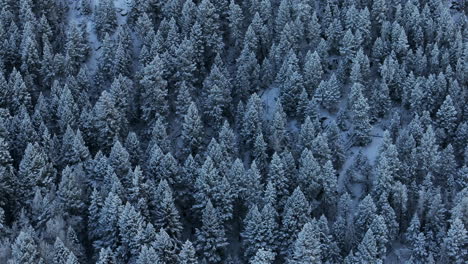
(328, 93)
(187, 254)
(167, 215)
(77, 47)
(106, 256)
(447, 118)
(360, 117)
(33, 171)
(211, 237)
(129, 223)
(312, 72)
(211, 185)
(192, 134)
(263, 257)
(367, 249)
(235, 18)
(106, 17)
(251, 233)
(209, 19)
(147, 255)
(307, 248)
(105, 121)
(154, 89)
(296, 214)
(107, 226)
(70, 193)
(24, 249)
(61, 252)
(251, 125)
(276, 175)
(217, 95)
(365, 215)
(456, 242)
(309, 174)
(133, 147)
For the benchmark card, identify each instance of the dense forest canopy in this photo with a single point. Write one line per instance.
(233, 131)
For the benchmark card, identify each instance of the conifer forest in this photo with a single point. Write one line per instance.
(233, 131)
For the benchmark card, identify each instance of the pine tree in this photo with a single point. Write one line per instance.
(456, 242)
(365, 215)
(228, 139)
(105, 121)
(119, 159)
(251, 121)
(66, 109)
(360, 117)
(184, 63)
(192, 130)
(428, 151)
(263, 257)
(379, 229)
(130, 222)
(165, 247)
(309, 174)
(247, 73)
(276, 175)
(259, 153)
(77, 47)
(211, 185)
(147, 255)
(70, 193)
(330, 188)
(217, 93)
(209, 19)
(159, 136)
(106, 17)
(167, 215)
(106, 256)
(367, 249)
(187, 254)
(133, 147)
(278, 128)
(313, 72)
(61, 252)
(19, 95)
(307, 248)
(24, 249)
(251, 233)
(328, 93)
(33, 171)
(296, 214)
(154, 93)
(107, 226)
(447, 118)
(290, 90)
(419, 253)
(211, 237)
(235, 18)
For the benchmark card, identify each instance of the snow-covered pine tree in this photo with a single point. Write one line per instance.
(360, 117)
(296, 213)
(307, 248)
(263, 256)
(106, 17)
(154, 90)
(192, 130)
(211, 237)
